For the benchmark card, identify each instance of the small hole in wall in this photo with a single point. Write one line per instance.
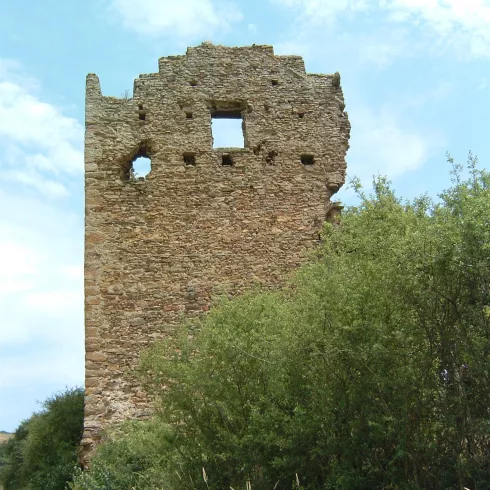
(270, 159)
(141, 167)
(307, 159)
(226, 160)
(274, 83)
(188, 115)
(301, 115)
(189, 158)
(193, 83)
(141, 112)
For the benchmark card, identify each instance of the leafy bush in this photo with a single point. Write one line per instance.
(370, 370)
(137, 455)
(42, 453)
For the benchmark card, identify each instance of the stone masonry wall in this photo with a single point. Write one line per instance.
(161, 246)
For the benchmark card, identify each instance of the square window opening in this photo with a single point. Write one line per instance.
(227, 131)
(226, 160)
(189, 158)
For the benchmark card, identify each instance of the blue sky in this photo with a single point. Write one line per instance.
(416, 80)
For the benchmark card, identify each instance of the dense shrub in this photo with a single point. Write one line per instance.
(136, 455)
(370, 370)
(42, 453)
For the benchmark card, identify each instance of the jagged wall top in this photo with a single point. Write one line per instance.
(282, 108)
(167, 65)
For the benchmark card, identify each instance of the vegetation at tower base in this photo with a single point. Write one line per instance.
(371, 370)
(42, 453)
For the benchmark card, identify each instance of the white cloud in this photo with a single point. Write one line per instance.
(39, 146)
(187, 20)
(41, 255)
(41, 244)
(382, 144)
(321, 11)
(464, 24)
(72, 271)
(482, 83)
(55, 303)
(32, 178)
(57, 366)
(459, 26)
(382, 48)
(395, 150)
(298, 46)
(18, 264)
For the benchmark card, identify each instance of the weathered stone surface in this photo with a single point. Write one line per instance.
(158, 247)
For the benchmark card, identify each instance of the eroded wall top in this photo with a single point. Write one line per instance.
(282, 107)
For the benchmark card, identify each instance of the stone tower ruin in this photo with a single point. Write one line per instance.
(204, 219)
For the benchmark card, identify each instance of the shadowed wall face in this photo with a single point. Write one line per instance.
(163, 235)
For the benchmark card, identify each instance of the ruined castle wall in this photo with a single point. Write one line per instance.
(160, 247)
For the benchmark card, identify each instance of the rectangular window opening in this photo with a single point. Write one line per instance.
(227, 133)
(189, 158)
(226, 160)
(307, 159)
(227, 125)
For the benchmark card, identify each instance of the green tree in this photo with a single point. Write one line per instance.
(369, 370)
(42, 453)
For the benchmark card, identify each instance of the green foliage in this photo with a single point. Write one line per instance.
(370, 370)
(42, 453)
(137, 455)
(3, 457)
